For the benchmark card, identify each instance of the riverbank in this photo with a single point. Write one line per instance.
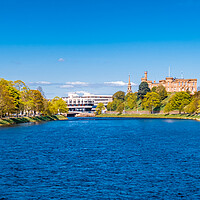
(13, 121)
(156, 116)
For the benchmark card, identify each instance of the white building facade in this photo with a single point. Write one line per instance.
(87, 102)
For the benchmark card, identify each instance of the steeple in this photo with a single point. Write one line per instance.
(129, 86)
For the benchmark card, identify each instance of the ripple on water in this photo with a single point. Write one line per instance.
(101, 159)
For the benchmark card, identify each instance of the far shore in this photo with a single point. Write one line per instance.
(153, 116)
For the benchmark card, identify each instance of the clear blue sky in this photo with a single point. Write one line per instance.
(92, 45)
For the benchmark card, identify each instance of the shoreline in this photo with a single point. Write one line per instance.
(153, 116)
(14, 121)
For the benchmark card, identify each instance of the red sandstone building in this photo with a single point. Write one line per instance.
(173, 84)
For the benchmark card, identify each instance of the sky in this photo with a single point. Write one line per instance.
(93, 45)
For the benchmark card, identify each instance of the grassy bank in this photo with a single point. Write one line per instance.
(161, 116)
(12, 121)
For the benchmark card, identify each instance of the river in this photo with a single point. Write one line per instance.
(101, 159)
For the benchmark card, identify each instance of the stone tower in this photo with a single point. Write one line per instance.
(129, 86)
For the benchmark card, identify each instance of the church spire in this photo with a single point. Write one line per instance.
(129, 90)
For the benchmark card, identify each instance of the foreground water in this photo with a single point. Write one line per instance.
(101, 159)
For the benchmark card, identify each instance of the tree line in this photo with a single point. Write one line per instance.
(155, 100)
(17, 99)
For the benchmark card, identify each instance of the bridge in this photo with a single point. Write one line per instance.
(73, 113)
(83, 114)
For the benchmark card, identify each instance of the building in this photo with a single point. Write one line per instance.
(87, 102)
(129, 90)
(173, 84)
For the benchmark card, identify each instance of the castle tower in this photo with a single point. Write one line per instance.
(145, 77)
(129, 90)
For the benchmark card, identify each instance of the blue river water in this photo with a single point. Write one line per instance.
(101, 159)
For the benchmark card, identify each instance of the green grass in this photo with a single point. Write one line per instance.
(162, 116)
(11, 121)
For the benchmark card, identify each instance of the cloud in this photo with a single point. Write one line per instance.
(43, 82)
(61, 60)
(40, 83)
(115, 83)
(81, 93)
(77, 83)
(74, 84)
(118, 83)
(66, 86)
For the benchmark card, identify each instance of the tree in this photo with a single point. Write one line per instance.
(168, 108)
(119, 96)
(198, 109)
(143, 89)
(27, 103)
(192, 106)
(178, 101)
(115, 104)
(38, 101)
(15, 98)
(161, 91)
(20, 85)
(109, 106)
(58, 106)
(41, 91)
(99, 108)
(7, 101)
(153, 89)
(120, 108)
(132, 100)
(151, 100)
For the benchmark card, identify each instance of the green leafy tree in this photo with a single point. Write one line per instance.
(161, 91)
(151, 100)
(99, 108)
(115, 104)
(168, 108)
(198, 109)
(178, 101)
(153, 89)
(192, 106)
(38, 101)
(7, 101)
(120, 95)
(59, 106)
(132, 100)
(120, 108)
(109, 106)
(143, 89)
(27, 103)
